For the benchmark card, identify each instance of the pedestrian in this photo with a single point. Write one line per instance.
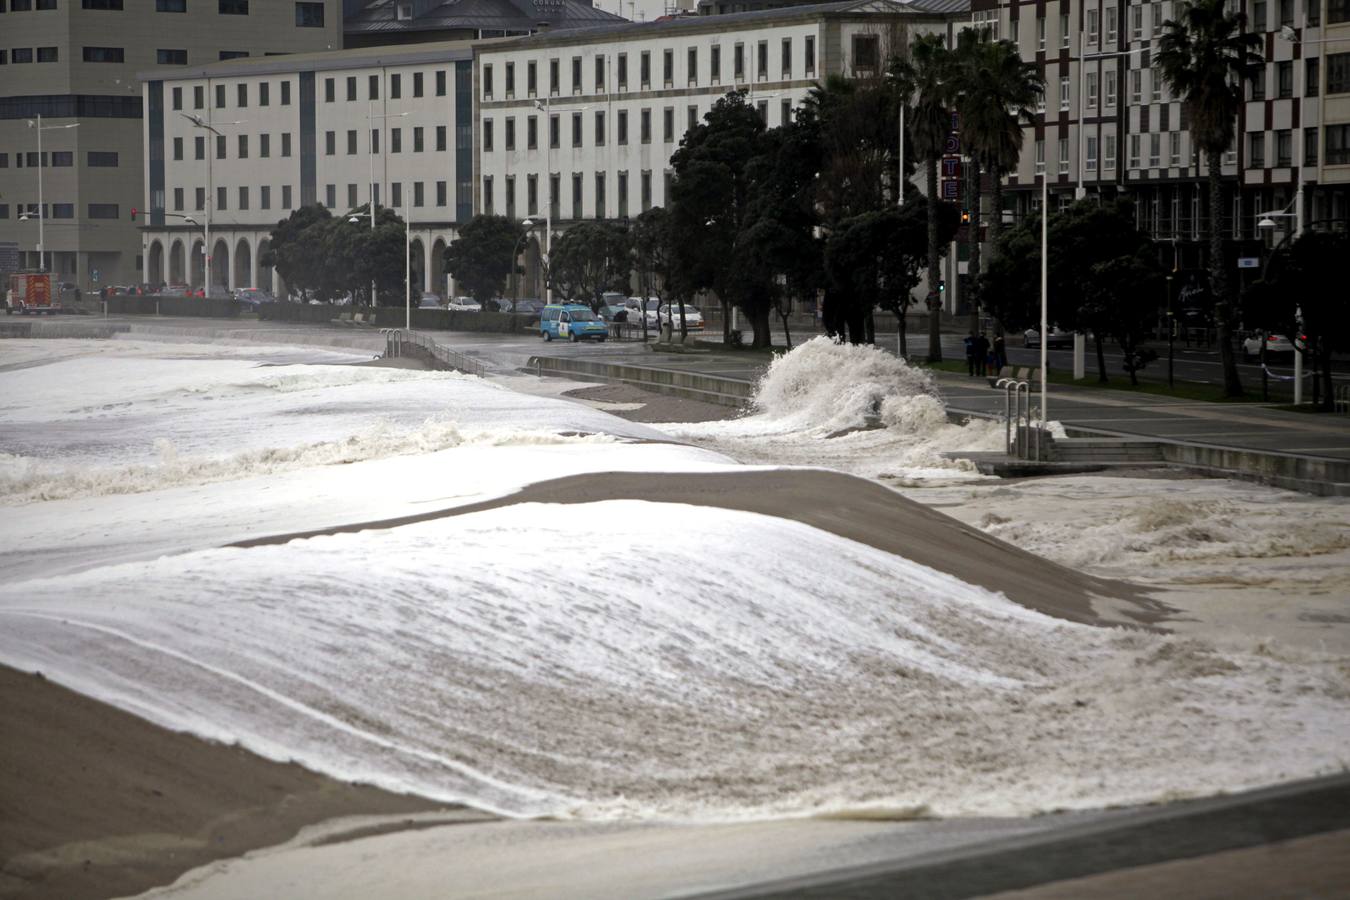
(1000, 354)
(103, 294)
(981, 352)
(969, 343)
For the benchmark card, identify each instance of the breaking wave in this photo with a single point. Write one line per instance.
(852, 407)
(25, 479)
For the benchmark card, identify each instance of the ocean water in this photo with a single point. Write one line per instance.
(609, 660)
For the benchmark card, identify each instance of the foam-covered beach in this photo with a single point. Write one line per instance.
(469, 596)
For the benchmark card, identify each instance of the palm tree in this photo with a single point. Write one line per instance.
(925, 77)
(1204, 58)
(995, 92)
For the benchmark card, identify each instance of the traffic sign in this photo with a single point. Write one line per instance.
(1248, 262)
(94, 275)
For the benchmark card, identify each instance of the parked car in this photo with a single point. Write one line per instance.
(253, 297)
(498, 304)
(1058, 339)
(177, 290)
(429, 300)
(572, 321)
(527, 307)
(464, 304)
(615, 312)
(670, 313)
(1275, 344)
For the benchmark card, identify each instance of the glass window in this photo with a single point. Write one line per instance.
(101, 159)
(691, 66)
(668, 67)
(395, 86)
(241, 92)
(170, 5)
(264, 93)
(417, 84)
(104, 54)
(170, 58)
(600, 128)
(104, 211)
(1338, 78)
(1312, 76)
(1256, 150)
(441, 133)
(1284, 148)
(715, 72)
(309, 15)
(234, 7)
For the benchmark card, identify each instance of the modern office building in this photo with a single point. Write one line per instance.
(74, 63)
(582, 125)
(1109, 126)
(236, 146)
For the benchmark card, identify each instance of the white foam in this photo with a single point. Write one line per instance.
(605, 661)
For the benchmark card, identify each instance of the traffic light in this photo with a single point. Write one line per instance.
(942, 287)
(965, 217)
(134, 210)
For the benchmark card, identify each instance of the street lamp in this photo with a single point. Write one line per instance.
(36, 125)
(515, 252)
(206, 125)
(370, 147)
(546, 107)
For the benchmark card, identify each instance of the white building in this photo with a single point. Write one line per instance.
(582, 125)
(331, 128)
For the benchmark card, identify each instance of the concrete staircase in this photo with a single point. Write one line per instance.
(1104, 450)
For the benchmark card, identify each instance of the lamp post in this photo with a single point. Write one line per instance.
(370, 146)
(1267, 225)
(206, 125)
(36, 125)
(546, 107)
(515, 251)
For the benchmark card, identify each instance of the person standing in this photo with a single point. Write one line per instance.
(1000, 354)
(981, 349)
(969, 343)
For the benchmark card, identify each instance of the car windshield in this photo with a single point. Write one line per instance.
(582, 315)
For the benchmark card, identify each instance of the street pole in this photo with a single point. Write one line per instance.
(370, 146)
(1045, 296)
(548, 210)
(1171, 330)
(407, 274)
(42, 214)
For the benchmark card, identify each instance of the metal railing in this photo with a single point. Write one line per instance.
(400, 342)
(1342, 402)
(1023, 437)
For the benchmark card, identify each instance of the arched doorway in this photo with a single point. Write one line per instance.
(437, 266)
(154, 270)
(243, 265)
(220, 269)
(176, 264)
(198, 279)
(263, 279)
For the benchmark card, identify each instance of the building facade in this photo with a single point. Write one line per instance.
(74, 62)
(1110, 127)
(237, 146)
(582, 126)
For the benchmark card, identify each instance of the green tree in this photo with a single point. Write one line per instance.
(1204, 58)
(653, 252)
(926, 78)
(1123, 300)
(995, 92)
(357, 255)
(297, 249)
(588, 259)
(1302, 295)
(483, 255)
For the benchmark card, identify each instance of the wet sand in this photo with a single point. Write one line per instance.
(95, 802)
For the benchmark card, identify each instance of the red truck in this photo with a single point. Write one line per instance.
(32, 293)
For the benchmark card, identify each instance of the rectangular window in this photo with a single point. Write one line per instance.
(646, 127)
(264, 146)
(1284, 78)
(1258, 19)
(510, 133)
(576, 129)
(715, 70)
(351, 196)
(1040, 32)
(101, 159)
(234, 7)
(265, 93)
(285, 93)
(104, 211)
(762, 107)
(170, 5)
(866, 53)
(63, 210)
(309, 15)
(531, 132)
(668, 67)
(1258, 82)
(1109, 157)
(220, 96)
(738, 63)
(487, 135)
(171, 57)
(441, 138)
(264, 197)
(1174, 149)
(351, 89)
(177, 199)
(351, 142)
(330, 196)
(418, 195)
(177, 98)
(440, 193)
(241, 95)
(177, 148)
(286, 148)
(440, 82)
(691, 117)
(1093, 29)
(810, 55)
(286, 197)
(784, 113)
(622, 74)
(668, 124)
(1256, 150)
(691, 66)
(554, 131)
(395, 86)
(1338, 77)
(1110, 16)
(600, 128)
(1310, 147)
(531, 78)
(200, 147)
(85, 4)
(199, 97)
(396, 194)
(555, 195)
(1063, 156)
(103, 55)
(1064, 30)
(232, 54)
(599, 73)
(645, 70)
(599, 195)
(63, 159)
(1155, 85)
(1136, 86)
(1136, 22)
(50, 55)
(487, 195)
(1312, 75)
(201, 199)
(1284, 148)
(622, 127)
(1091, 162)
(417, 84)
(396, 140)
(1110, 90)
(510, 86)
(1064, 88)
(330, 142)
(329, 90)
(243, 198)
(243, 146)
(222, 198)
(646, 190)
(577, 86)
(576, 197)
(1154, 150)
(487, 82)
(1092, 90)
(373, 91)
(623, 195)
(1134, 151)
(787, 58)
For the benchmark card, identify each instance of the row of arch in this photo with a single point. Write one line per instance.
(236, 262)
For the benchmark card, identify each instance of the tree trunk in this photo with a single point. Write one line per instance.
(869, 327)
(787, 333)
(973, 267)
(1101, 357)
(1323, 355)
(996, 214)
(934, 275)
(760, 323)
(904, 343)
(1232, 385)
(726, 322)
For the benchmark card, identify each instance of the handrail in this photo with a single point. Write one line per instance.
(397, 341)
